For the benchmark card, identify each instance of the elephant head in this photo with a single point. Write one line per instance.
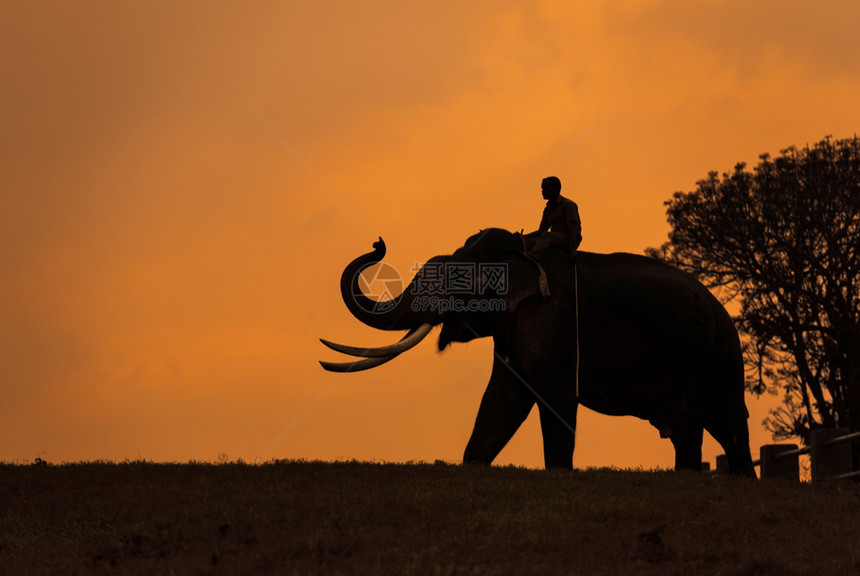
(467, 293)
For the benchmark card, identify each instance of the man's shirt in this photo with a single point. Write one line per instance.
(562, 215)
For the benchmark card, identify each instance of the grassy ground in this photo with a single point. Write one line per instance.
(353, 518)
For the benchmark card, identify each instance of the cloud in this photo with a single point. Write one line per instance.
(817, 40)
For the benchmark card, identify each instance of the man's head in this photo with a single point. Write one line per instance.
(550, 188)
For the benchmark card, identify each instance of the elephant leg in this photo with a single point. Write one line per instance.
(725, 414)
(558, 426)
(688, 447)
(736, 444)
(505, 405)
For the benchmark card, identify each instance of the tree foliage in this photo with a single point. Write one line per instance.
(783, 242)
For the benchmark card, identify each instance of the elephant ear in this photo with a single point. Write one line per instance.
(524, 280)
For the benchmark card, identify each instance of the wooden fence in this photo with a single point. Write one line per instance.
(830, 453)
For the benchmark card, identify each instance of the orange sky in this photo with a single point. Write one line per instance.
(168, 261)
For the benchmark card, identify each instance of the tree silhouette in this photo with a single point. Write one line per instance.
(783, 243)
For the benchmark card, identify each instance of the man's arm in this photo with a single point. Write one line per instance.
(543, 227)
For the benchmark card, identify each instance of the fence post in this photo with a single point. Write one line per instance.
(830, 460)
(787, 467)
(722, 464)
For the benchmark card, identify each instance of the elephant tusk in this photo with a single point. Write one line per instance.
(411, 339)
(356, 366)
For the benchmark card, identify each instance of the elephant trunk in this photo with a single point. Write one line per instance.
(398, 313)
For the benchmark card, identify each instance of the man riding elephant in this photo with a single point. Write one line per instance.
(560, 224)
